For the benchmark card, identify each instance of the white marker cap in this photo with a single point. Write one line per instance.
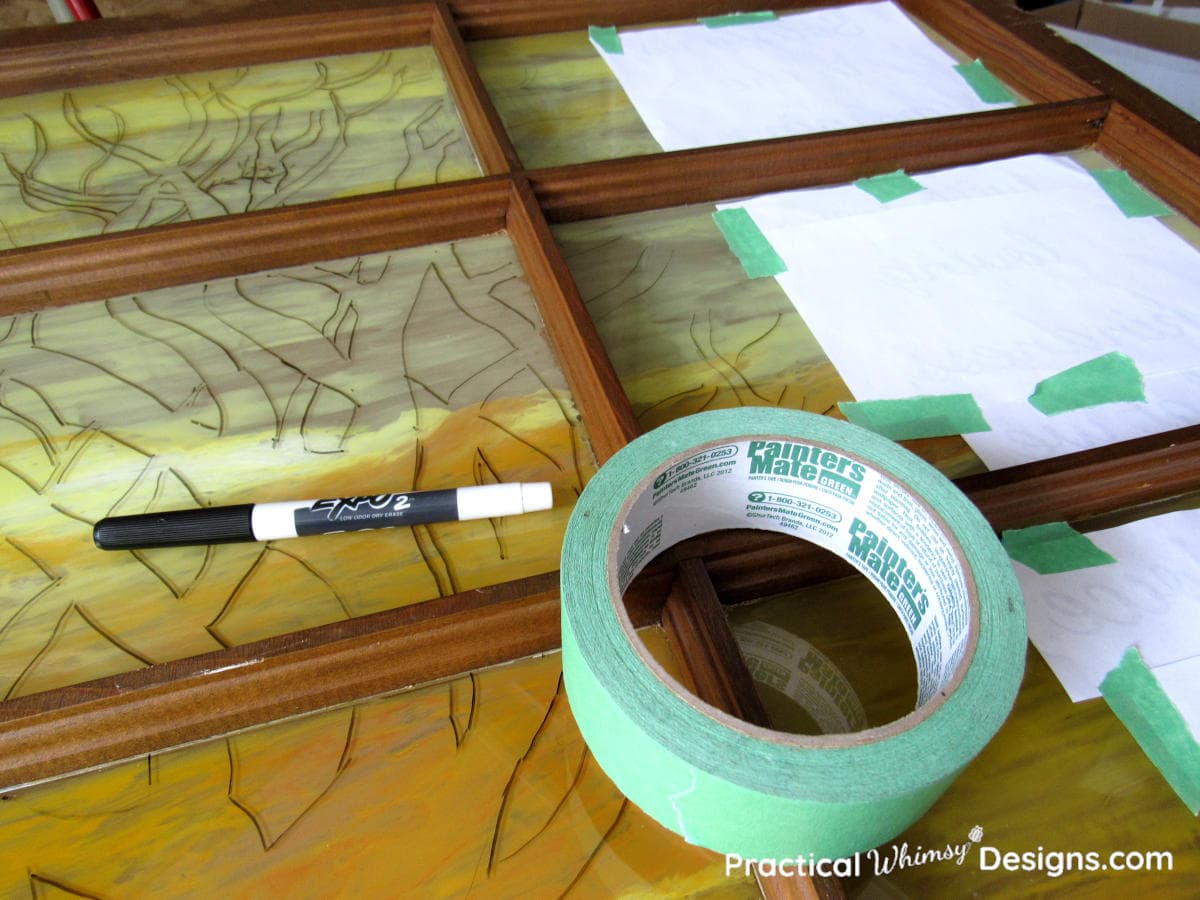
(487, 501)
(536, 495)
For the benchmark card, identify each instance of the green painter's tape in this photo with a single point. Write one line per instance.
(1052, 548)
(749, 18)
(889, 187)
(986, 86)
(918, 417)
(738, 788)
(1128, 195)
(748, 243)
(1111, 378)
(606, 39)
(1139, 701)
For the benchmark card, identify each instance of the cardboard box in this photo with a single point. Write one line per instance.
(1120, 22)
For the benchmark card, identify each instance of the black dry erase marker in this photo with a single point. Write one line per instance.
(271, 521)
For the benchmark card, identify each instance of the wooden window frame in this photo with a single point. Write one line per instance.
(1077, 102)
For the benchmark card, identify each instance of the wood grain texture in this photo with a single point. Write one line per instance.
(1164, 162)
(588, 370)
(150, 709)
(139, 712)
(1156, 141)
(1081, 486)
(695, 621)
(129, 715)
(492, 145)
(408, 369)
(484, 766)
(613, 187)
(109, 50)
(107, 265)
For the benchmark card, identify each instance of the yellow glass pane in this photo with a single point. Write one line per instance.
(141, 153)
(417, 369)
(480, 786)
(688, 331)
(558, 100)
(561, 104)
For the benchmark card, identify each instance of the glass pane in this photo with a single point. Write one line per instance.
(480, 786)
(558, 100)
(561, 102)
(688, 331)
(417, 369)
(109, 158)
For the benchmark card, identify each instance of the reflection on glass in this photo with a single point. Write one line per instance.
(417, 369)
(481, 787)
(114, 157)
(833, 653)
(688, 331)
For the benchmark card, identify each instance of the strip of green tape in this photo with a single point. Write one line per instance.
(749, 18)
(918, 417)
(1134, 694)
(1052, 548)
(987, 86)
(1130, 198)
(1111, 378)
(732, 787)
(748, 243)
(606, 38)
(890, 186)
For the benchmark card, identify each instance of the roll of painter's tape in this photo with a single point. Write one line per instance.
(737, 788)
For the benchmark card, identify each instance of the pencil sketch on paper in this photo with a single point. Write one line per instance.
(96, 160)
(414, 369)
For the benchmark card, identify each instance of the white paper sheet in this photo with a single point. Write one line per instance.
(991, 279)
(1021, 433)
(1181, 682)
(845, 67)
(1083, 621)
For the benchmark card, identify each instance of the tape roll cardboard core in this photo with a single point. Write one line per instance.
(735, 787)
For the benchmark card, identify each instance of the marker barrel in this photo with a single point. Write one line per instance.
(272, 521)
(211, 525)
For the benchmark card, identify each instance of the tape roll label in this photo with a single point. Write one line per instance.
(833, 499)
(798, 670)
